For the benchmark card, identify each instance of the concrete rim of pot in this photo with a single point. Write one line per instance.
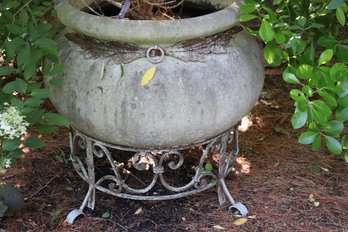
(146, 32)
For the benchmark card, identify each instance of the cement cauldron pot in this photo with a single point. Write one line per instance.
(209, 74)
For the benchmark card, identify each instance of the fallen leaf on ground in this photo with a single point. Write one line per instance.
(138, 211)
(240, 221)
(218, 228)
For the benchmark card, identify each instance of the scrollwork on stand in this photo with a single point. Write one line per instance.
(156, 163)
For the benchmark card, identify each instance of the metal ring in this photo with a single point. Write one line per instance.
(159, 58)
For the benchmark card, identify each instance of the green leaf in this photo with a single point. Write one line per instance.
(307, 90)
(23, 55)
(308, 137)
(322, 107)
(14, 45)
(55, 70)
(329, 99)
(247, 17)
(341, 17)
(299, 119)
(342, 53)
(301, 20)
(15, 102)
(327, 41)
(326, 56)
(11, 144)
(248, 8)
(56, 81)
(297, 95)
(56, 119)
(208, 167)
(45, 43)
(290, 78)
(106, 215)
(23, 18)
(343, 101)
(20, 85)
(319, 117)
(269, 53)
(333, 144)
(344, 141)
(334, 4)
(9, 88)
(334, 127)
(41, 93)
(316, 144)
(342, 115)
(46, 129)
(266, 31)
(33, 102)
(29, 70)
(305, 71)
(339, 72)
(280, 38)
(14, 29)
(34, 142)
(4, 71)
(122, 71)
(346, 157)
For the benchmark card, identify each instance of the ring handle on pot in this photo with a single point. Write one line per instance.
(155, 54)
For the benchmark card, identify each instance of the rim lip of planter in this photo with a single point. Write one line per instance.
(145, 32)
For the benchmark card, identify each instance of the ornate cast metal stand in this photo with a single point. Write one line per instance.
(157, 161)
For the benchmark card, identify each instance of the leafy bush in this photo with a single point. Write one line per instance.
(306, 38)
(26, 41)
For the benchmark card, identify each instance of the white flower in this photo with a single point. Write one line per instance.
(5, 163)
(12, 123)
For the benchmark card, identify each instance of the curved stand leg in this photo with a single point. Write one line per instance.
(89, 177)
(77, 212)
(225, 166)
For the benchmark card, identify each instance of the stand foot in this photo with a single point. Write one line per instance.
(73, 215)
(242, 209)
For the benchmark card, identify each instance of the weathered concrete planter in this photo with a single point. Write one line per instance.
(208, 79)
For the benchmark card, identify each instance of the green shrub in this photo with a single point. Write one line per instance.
(306, 38)
(26, 41)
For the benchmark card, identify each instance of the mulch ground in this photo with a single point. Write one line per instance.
(276, 177)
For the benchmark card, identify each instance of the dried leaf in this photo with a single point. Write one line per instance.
(252, 217)
(138, 211)
(311, 198)
(324, 169)
(102, 71)
(218, 228)
(148, 76)
(240, 221)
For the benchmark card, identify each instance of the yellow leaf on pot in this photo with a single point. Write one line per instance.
(148, 76)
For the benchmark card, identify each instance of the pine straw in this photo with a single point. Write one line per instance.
(282, 175)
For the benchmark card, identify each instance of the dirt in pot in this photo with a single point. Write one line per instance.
(149, 10)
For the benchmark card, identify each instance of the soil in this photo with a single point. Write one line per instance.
(285, 185)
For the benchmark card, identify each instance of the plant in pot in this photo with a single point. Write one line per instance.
(154, 88)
